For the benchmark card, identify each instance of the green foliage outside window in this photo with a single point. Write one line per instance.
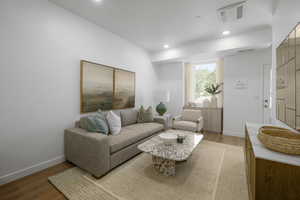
(204, 78)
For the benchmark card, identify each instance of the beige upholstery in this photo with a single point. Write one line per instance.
(129, 116)
(90, 151)
(190, 120)
(191, 115)
(98, 153)
(131, 134)
(185, 125)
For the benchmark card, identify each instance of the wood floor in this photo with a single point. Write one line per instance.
(37, 187)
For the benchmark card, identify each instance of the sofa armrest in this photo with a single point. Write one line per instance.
(162, 120)
(89, 151)
(200, 123)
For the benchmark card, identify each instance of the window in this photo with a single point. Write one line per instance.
(198, 77)
(203, 75)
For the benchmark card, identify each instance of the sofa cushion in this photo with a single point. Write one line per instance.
(129, 116)
(133, 133)
(191, 115)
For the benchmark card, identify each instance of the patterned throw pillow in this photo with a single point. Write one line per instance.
(145, 116)
(95, 123)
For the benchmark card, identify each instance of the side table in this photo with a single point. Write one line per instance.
(167, 118)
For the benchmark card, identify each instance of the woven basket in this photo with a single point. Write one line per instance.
(280, 139)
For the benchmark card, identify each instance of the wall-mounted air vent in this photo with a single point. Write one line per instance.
(232, 12)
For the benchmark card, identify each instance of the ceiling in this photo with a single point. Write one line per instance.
(153, 23)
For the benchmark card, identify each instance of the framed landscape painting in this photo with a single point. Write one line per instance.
(124, 93)
(96, 87)
(106, 88)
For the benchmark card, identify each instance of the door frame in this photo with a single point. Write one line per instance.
(264, 66)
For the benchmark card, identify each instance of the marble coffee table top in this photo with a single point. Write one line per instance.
(175, 151)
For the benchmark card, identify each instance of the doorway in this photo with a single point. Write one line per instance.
(267, 77)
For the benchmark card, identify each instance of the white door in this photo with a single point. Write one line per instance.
(266, 94)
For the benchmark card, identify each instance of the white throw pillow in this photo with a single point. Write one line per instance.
(114, 123)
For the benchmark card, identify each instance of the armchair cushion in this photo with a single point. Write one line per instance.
(191, 115)
(185, 125)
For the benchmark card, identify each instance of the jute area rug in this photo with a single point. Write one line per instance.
(213, 172)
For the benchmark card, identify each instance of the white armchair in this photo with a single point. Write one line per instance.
(189, 120)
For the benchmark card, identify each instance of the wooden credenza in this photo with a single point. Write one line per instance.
(271, 175)
(213, 118)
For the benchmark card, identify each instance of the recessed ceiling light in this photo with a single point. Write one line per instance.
(226, 32)
(166, 46)
(97, 1)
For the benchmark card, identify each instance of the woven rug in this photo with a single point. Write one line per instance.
(213, 172)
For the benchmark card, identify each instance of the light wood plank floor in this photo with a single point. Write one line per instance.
(37, 187)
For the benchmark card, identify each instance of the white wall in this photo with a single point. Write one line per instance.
(285, 18)
(254, 39)
(171, 78)
(241, 105)
(41, 46)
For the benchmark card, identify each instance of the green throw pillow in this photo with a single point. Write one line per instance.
(145, 116)
(95, 123)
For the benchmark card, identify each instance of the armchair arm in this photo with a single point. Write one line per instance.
(89, 151)
(162, 120)
(200, 123)
(177, 118)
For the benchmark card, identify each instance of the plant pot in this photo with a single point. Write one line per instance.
(206, 103)
(213, 101)
(161, 108)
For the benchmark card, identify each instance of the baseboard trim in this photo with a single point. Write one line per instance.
(30, 170)
(234, 133)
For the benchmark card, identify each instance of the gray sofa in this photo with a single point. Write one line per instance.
(98, 153)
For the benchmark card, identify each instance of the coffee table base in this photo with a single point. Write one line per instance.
(164, 166)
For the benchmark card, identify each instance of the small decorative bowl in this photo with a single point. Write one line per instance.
(180, 138)
(168, 138)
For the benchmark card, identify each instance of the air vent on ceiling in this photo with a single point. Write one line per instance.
(232, 12)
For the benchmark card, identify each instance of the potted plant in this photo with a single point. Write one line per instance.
(213, 90)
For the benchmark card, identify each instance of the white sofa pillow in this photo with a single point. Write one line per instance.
(114, 123)
(191, 115)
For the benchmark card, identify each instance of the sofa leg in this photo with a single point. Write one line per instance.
(96, 177)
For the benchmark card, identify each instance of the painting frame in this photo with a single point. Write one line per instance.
(83, 90)
(130, 86)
